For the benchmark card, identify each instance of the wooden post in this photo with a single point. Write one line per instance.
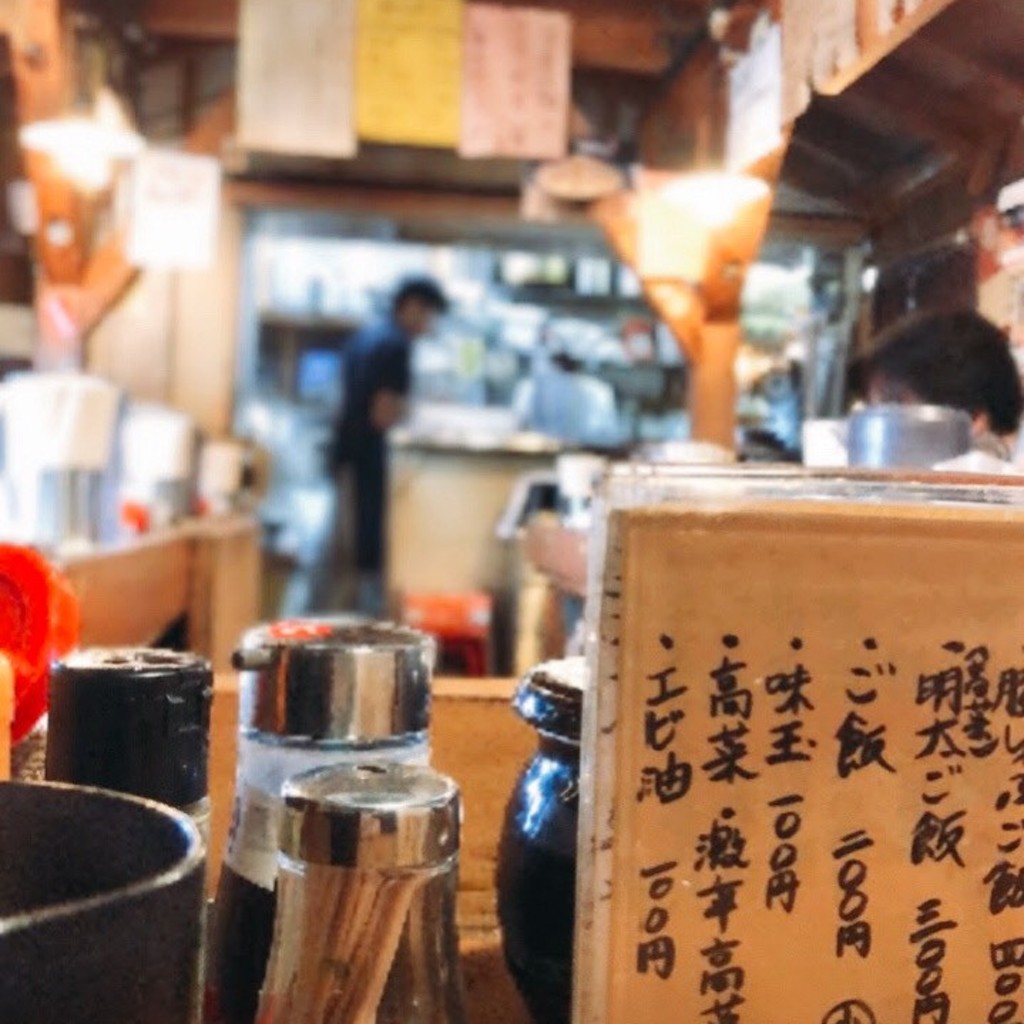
(712, 397)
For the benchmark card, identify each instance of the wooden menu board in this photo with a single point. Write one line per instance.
(809, 781)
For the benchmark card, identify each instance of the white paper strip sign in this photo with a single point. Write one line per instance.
(889, 12)
(797, 55)
(755, 103)
(835, 39)
(175, 206)
(296, 77)
(516, 83)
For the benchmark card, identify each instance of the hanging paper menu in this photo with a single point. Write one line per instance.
(175, 208)
(516, 83)
(808, 790)
(296, 77)
(835, 39)
(409, 71)
(798, 17)
(755, 102)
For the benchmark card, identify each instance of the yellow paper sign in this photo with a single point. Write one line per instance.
(409, 71)
(812, 808)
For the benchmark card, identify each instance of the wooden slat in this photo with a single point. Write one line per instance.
(224, 586)
(211, 20)
(131, 595)
(877, 51)
(382, 202)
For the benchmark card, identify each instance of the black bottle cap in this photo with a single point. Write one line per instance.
(134, 721)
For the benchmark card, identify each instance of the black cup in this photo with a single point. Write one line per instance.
(101, 898)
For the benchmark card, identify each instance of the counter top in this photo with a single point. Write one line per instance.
(452, 444)
(206, 571)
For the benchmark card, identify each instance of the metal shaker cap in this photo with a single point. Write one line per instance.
(342, 679)
(132, 720)
(372, 816)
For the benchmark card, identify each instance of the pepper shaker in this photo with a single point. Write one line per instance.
(365, 927)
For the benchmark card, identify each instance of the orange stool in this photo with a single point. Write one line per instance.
(461, 623)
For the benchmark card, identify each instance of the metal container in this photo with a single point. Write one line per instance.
(367, 878)
(101, 898)
(907, 436)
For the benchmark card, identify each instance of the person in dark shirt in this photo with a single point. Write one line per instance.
(377, 382)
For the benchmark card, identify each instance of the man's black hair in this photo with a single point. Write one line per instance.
(959, 360)
(422, 289)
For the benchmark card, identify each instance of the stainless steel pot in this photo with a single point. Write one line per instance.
(907, 436)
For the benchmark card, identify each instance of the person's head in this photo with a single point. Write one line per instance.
(417, 304)
(959, 360)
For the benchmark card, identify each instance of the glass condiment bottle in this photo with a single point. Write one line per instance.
(536, 877)
(133, 720)
(312, 693)
(365, 930)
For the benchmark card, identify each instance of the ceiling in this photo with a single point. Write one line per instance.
(945, 107)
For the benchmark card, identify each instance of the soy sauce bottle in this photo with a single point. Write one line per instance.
(312, 693)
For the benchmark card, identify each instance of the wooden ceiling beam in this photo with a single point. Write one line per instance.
(637, 40)
(806, 171)
(829, 232)
(882, 197)
(1001, 91)
(898, 111)
(209, 20)
(804, 148)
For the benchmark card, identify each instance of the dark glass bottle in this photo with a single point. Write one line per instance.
(133, 720)
(537, 857)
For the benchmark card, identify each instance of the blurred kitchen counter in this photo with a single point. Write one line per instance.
(204, 573)
(445, 501)
(516, 444)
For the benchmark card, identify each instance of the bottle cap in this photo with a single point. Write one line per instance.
(550, 698)
(374, 817)
(335, 679)
(132, 720)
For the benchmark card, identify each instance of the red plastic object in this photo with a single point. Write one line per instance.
(298, 629)
(135, 516)
(461, 622)
(39, 620)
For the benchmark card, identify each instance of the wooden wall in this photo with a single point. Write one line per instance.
(173, 338)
